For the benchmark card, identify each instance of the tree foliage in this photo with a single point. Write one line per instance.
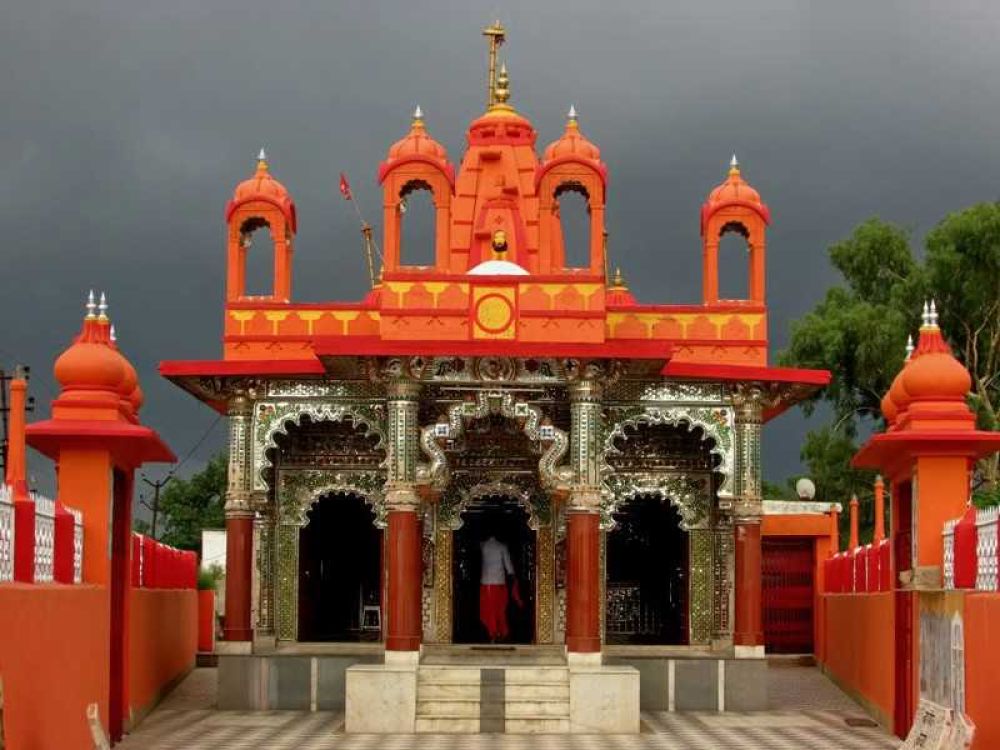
(859, 330)
(189, 505)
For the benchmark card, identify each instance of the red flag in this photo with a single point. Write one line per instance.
(345, 187)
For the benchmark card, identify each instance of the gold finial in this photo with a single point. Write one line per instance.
(495, 35)
(502, 92)
(734, 166)
(418, 116)
(571, 117)
(262, 161)
(619, 280)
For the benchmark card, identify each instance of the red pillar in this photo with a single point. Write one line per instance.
(853, 541)
(404, 563)
(583, 624)
(748, 629)
(239, 558)
(879, 509)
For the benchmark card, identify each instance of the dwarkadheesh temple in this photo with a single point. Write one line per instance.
(612, 445)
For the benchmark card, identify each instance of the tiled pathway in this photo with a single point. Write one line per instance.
(809, 713)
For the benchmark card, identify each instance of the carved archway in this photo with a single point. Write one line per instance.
(434, 437)
(271, 419)
(716, 422)
(301, 490)
(691, 494)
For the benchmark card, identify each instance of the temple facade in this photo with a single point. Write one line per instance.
(612, 444)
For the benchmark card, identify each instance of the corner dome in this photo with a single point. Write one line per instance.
(417, 143)
(735, 191)
(572, 143)
(618, 294)
(263, 187)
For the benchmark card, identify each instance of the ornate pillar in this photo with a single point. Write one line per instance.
(748, 632)
(403, 535)
(583, 537)
(239, 523)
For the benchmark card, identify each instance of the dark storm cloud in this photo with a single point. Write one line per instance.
(125, 125)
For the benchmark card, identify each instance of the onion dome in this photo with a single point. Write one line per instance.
(129, 390)
(618, 293)
(735, 191)
(263, 187)
(896, 399)
(91, 363)
(572, 143)
(934, 374)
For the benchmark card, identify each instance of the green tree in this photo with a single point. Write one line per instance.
(858, 332)
(189, 505)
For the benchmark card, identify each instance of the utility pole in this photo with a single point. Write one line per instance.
(155, 507)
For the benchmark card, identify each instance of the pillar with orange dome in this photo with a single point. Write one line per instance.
(97, 442)
(930, 443)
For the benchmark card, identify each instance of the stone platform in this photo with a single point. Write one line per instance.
(493, 684)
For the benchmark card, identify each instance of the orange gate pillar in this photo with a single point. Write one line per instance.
(748, 629)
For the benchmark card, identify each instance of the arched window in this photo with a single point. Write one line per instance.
(734, 263)
(258, 258)
(417, 226)
(574, 225)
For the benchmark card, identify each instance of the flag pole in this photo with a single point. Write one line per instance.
(366, 229)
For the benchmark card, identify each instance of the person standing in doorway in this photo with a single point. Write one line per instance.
(493, 595)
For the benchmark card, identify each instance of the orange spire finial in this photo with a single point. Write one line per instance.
(17, 470)
(835, 530)
(879, 509)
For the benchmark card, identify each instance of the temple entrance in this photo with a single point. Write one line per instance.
(506, 521)
(340, 553)
(647, 575)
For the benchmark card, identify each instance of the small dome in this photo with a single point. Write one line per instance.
(417, 143)
(618, 292)
(735, 191)
(129, 389)
(497, 268)
(934, 374)
(889, 410)
(572, 143)
(90, 362)
(263, 187)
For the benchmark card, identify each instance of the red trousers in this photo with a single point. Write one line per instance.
(493, 609)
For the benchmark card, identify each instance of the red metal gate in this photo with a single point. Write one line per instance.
(788, 595)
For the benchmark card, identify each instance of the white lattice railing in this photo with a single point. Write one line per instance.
(45, 538)
(948, 568)
(987, 522)
(77, 545)
(6, 534)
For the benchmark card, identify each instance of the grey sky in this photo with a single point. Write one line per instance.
(125, 125)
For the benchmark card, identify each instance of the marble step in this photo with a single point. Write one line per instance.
(447, 675)
(536, 676)
(536, 709)
(448, 708)
(448, 690)
(539, 725)
(546, 691)
(447, 725)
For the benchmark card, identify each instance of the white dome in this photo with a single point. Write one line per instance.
(497, 268)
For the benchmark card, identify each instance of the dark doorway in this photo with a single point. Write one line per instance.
(787, 591)
(647, 575)
(508, 522)
(340, 551)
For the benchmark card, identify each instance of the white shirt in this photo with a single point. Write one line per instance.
(496, 562)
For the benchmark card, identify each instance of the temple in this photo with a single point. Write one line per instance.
(612, 444)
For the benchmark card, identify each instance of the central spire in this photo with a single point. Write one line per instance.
(495, 35)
